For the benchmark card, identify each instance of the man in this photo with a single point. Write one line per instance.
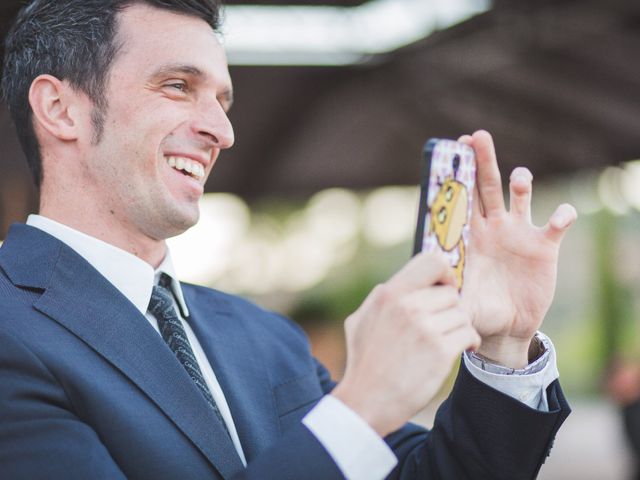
(110, 368)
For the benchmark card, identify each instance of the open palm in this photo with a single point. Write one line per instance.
(510, 275)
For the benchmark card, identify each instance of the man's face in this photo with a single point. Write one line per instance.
(168, 92)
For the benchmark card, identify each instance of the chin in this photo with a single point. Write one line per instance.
(183, 221)
(172, 223)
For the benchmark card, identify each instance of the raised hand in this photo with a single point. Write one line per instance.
(511, 269)
(402, 343)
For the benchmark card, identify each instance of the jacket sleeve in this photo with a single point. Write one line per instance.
(479, 433)
(39, 436)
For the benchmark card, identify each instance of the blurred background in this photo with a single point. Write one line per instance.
(317, 201)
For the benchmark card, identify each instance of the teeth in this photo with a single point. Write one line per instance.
(192, 167)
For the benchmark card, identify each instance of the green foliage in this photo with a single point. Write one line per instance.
(614, 300)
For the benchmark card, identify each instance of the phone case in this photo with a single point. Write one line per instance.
(446, 194)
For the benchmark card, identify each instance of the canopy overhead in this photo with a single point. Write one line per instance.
(557, 82)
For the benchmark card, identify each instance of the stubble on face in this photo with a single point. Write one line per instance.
(142, 123)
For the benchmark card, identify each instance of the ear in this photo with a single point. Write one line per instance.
(54, 107)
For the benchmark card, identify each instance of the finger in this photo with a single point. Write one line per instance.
(559, 223)
(428, 301)
(476, 207)
(451, 319)
(463, 338)
(466, 139)
(520, 187)
(477, 214)
(488, 176)
(423, 270)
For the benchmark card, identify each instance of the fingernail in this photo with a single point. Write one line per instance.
(559, 221)
(522, 176)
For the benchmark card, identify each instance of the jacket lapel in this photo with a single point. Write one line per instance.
(84, 302)
(231, 349)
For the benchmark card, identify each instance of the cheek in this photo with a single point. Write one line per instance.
(136, 117)
(136, 135)
(138, 131)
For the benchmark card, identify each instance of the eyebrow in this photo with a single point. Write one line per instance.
(185, 69)
(177, 68)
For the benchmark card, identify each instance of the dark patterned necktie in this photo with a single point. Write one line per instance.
(173, 332)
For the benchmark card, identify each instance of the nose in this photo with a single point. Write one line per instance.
(213, 125)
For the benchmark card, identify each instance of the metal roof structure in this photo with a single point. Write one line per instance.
(556, 81)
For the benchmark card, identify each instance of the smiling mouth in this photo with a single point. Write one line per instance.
(186, 166)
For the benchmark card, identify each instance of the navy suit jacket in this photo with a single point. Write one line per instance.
(88, 389)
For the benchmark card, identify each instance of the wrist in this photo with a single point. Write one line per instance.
(508, 351)
(365, 407)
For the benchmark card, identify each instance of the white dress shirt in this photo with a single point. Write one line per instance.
(355, 447)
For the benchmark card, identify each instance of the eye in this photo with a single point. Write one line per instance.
(226, 106)
(448, 195)
(178, 85)
(442, 215)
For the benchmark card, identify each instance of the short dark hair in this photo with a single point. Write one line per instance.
(73, 40)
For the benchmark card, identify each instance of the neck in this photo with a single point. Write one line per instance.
(103, 224)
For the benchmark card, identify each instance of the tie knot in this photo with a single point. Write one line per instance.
(165, 281)
(161, 300)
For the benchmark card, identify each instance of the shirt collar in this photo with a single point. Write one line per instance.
(167, 267)
(132, 276)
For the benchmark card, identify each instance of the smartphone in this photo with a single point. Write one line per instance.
(446, 194)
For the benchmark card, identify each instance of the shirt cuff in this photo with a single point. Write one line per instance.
(529, 389)
(359, 452)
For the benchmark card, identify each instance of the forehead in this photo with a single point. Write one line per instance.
(151, 37)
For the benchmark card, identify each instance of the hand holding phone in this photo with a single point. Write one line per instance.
(446, 195)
